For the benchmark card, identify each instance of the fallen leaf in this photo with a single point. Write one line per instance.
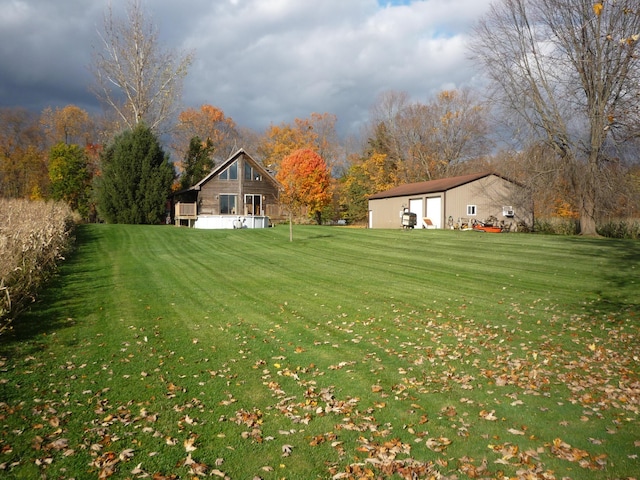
(488, 415)
(59, 444)
(200, 469)
(189, 444)
(438, 444)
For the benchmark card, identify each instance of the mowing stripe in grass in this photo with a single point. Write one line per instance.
(341, 342)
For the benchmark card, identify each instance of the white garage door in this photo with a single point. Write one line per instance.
(434, 211)
(415, 206)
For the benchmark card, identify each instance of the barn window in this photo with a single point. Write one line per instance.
(231, 173)
(471, 210)
(227, 204)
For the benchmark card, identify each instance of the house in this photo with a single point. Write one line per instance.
(238, 193)
(454, 202)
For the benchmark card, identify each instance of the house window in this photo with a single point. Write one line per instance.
(251, 173)
(227, 204)
(471, 210)
(230, 173)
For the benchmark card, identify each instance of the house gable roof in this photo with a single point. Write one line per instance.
(266, 174)
(432, 186)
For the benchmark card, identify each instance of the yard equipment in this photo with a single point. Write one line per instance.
(409, 219)
(490, 226)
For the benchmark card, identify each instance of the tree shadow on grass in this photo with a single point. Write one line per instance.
(619, 275)
(61, 302)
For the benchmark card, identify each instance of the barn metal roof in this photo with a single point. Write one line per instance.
(432, 186)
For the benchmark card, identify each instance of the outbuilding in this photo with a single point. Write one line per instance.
(455, 202)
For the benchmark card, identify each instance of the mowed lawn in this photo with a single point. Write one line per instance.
(160, 352)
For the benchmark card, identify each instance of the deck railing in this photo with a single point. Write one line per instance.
(186, 210)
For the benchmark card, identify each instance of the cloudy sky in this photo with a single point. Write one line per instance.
(260, 61)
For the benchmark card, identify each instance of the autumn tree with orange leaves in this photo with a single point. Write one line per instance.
(317, 133)
(305, 181)
(280, 141)
(210, 125)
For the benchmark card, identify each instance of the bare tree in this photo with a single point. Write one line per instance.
(430, 140)
(568, 69)
(134, 77)
(384, 118)
(440, 135)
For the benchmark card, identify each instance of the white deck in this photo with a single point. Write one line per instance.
(231, 221)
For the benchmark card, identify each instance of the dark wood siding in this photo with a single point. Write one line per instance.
(209, 195)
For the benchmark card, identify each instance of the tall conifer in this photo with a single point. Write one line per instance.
(136, 179)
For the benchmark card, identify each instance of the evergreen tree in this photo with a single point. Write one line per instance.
(136, 179)
(197, 163)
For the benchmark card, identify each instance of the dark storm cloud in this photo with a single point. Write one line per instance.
(261, 61)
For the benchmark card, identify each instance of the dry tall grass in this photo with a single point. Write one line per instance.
(33, 239)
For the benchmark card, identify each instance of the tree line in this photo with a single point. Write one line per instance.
(560, 114)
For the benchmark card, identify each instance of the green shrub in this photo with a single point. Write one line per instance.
(611, 228)
(556, 226)
(620, 228)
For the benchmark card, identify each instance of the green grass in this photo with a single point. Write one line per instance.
(345, 354)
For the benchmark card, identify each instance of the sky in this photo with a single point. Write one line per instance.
(262, 62)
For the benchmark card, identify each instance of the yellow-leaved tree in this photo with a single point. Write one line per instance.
(317, 133)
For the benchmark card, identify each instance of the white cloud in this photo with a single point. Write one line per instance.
(261, 61)
(285, 59)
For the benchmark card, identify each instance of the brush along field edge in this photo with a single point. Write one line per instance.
(33, 239)
(163, 352)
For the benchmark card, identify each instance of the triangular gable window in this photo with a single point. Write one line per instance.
(251, 173)
(230, 173)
